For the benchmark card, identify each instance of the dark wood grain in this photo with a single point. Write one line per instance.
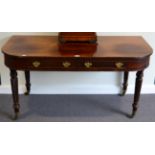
(108, 47)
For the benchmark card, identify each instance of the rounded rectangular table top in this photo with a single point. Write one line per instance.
(48, 46)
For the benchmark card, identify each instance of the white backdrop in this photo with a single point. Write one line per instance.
(77, 83)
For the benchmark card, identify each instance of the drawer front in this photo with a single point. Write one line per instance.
(46, 64)
(116, 65)
(75, 64)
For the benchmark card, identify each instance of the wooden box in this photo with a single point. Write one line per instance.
(78, 47)
(77, 37)
(77, 41)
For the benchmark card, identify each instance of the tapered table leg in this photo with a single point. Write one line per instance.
(138, 86)
(28, 84)
(14, 87)
(125, 83)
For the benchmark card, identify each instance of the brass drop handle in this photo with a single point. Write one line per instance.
(66, 64)
(88, 64)
(36, 64)
(119, 65)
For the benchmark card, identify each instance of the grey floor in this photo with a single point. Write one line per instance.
(78, 108)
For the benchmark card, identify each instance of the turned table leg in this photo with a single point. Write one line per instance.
(125, 83)
(28, 84)
(138, 86)
(14, 87)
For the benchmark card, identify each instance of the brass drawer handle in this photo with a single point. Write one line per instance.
(66, 64)
(119, 65)
(88, 64)
(36, 64)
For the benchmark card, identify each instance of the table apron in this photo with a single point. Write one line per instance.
(76, 64)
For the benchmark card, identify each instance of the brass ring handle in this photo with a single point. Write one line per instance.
(119, 65)
(88, 64)
(66, 64)
(36, 64)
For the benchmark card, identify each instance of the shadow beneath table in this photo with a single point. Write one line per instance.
(73, 107)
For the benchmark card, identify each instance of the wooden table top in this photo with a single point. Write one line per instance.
(47, 46)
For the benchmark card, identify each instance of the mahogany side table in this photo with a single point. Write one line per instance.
(41, 53)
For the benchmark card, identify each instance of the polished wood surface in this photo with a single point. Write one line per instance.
(108, 47)
(42, 53)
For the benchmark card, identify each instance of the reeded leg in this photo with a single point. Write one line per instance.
(14, 87)
(138, 86)
(125, 83)
(28, 84)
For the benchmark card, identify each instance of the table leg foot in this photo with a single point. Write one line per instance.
(16, 116)
(27, 93)
(134, 111)
(133, 114)
(122, 93)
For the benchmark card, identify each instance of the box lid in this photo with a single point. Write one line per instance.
(83, 37)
